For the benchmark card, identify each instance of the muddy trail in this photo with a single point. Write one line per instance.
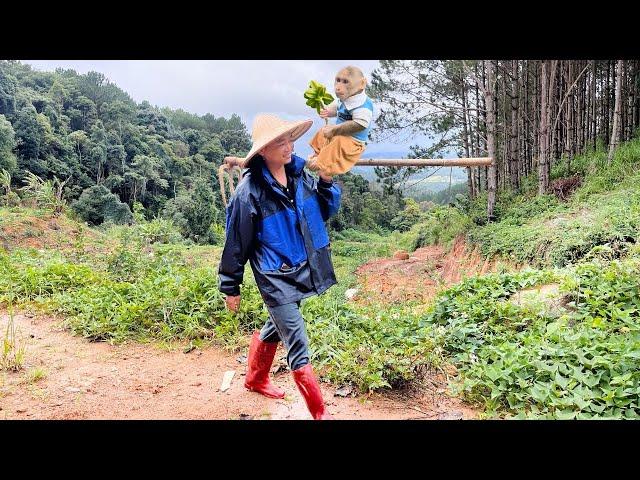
(95, 380)
(419, 276)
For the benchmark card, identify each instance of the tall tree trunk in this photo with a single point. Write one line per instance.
(580, 118)
(623, 107)
(593, 104)
(535, 114)
(514, 154)
(543, 174)
(612, 93)
(615, 132)
(530, 108)
(491, 138)
(587, 108)
(523, 130)
(607, 95)
(478, 152)
(602, 126)
(502, 142)
(551, 109)
(556, 94)
(568, 140)
(465, 135)
(485, 179)
(628, 93)
(636, 104)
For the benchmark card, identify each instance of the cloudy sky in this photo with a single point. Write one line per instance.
(223, 87)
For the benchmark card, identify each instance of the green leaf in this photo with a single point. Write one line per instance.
(620, 379)
(317, 94)
(492, 373)
(495, 393)
(578, 373)
(540, 392)
(565, 414)
(554, 327)
(584, 416)
(592, 380)
(580, 402)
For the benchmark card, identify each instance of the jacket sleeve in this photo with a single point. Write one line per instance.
(238, 245)
(329, 198)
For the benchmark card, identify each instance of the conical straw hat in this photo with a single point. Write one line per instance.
(267, 127)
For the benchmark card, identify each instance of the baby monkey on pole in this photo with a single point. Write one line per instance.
(338, 147)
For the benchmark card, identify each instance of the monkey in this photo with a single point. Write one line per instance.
(338, 147)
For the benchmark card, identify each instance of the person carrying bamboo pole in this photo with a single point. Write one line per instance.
(275, 220)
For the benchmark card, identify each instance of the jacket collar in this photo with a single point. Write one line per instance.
(293, 168)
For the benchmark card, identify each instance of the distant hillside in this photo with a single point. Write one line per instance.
(418, 183)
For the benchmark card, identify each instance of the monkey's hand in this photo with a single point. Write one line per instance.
(329, 131)
(326, 113)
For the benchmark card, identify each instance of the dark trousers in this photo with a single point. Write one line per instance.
(287, 325)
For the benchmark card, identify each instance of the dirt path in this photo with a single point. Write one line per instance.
(87, 380)
(421, 276)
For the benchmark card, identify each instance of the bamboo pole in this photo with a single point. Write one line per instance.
(403, 162)
(424, 162)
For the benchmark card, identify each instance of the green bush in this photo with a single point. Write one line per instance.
(531, 362)
(371, 349)
(97, 205)
(442, 225)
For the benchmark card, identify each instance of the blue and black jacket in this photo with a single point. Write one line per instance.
(285, 241)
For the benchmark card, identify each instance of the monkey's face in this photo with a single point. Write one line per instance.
(347, 85)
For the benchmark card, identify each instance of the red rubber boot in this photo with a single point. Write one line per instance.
(259, 363)
(310, 390)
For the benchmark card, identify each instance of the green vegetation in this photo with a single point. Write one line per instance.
(35, 375)
(542, 231)
(13, 347)
(441, 226)
(576, 360)
(579, 362)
